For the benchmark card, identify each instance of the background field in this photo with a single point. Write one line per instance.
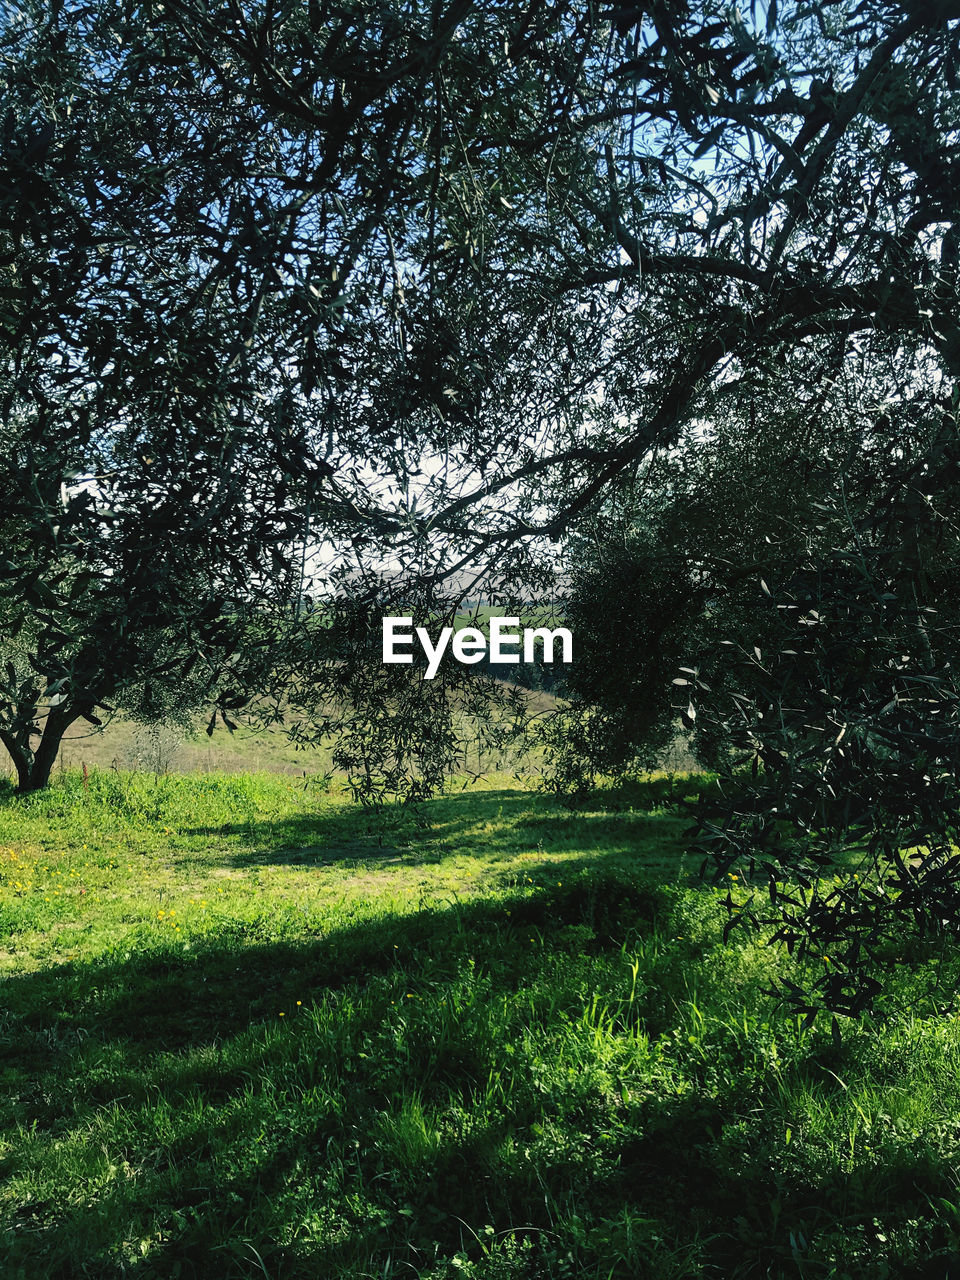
(126, 744)
(250, 1030)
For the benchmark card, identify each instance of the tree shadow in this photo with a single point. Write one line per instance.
(225, 1026)
(382, 1094)
(502, 822)
(180, 998)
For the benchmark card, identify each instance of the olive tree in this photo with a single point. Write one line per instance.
(207, 225)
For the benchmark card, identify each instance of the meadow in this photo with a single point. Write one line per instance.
(250, 1030)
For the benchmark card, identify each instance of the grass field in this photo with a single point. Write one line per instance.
(248, 1030)
(125, 744)
(128, 745)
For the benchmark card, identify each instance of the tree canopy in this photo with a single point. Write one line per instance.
(491, 254)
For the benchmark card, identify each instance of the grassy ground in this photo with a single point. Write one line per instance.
(250, 1031)
(125, 744)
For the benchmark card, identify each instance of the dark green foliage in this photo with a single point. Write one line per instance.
(814, 664)
(395, 733)
(848, 719)
(631, 609)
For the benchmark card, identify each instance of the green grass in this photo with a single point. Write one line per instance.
(249, 1030)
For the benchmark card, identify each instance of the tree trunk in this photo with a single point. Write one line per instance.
(49, 745)
(20, 759)
(34, 766)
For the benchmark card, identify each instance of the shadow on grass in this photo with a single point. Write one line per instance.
(199, 1034)
(498, 823)
(180, 998)
(331, 834)
(435, 1078)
